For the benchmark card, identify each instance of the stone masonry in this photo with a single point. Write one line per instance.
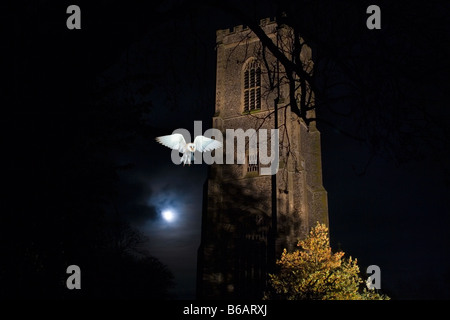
(233, 257)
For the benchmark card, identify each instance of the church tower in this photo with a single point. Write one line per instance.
(242, 232)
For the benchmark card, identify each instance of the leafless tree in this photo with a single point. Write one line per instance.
(384, 88)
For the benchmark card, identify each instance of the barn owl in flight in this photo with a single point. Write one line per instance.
(176, 142)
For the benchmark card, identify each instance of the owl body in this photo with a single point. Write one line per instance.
(201, 143)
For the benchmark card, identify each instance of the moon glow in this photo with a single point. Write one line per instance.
(168, 215)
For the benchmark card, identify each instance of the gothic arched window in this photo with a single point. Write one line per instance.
(252, 86)
(253, 161)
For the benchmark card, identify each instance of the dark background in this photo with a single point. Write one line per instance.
(85, 183)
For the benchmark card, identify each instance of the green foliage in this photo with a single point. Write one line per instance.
(315, 273)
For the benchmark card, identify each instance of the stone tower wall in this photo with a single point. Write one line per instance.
(233, 255)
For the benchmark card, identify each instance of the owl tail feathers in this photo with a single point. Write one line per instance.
(187, 158)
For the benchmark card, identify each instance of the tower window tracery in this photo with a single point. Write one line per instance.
(252, 86)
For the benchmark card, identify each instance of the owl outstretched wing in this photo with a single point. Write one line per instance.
(174, 141)
(203, 144)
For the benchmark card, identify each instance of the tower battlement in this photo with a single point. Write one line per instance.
(223, 33)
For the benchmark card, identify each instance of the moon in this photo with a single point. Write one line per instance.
(168, 215)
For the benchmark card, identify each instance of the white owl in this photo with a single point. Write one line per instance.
(201, 143)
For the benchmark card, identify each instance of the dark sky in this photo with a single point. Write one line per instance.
(394, 216)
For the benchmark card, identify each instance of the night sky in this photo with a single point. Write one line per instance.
(81, 109)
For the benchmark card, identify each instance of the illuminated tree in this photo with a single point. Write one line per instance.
(315, 273)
